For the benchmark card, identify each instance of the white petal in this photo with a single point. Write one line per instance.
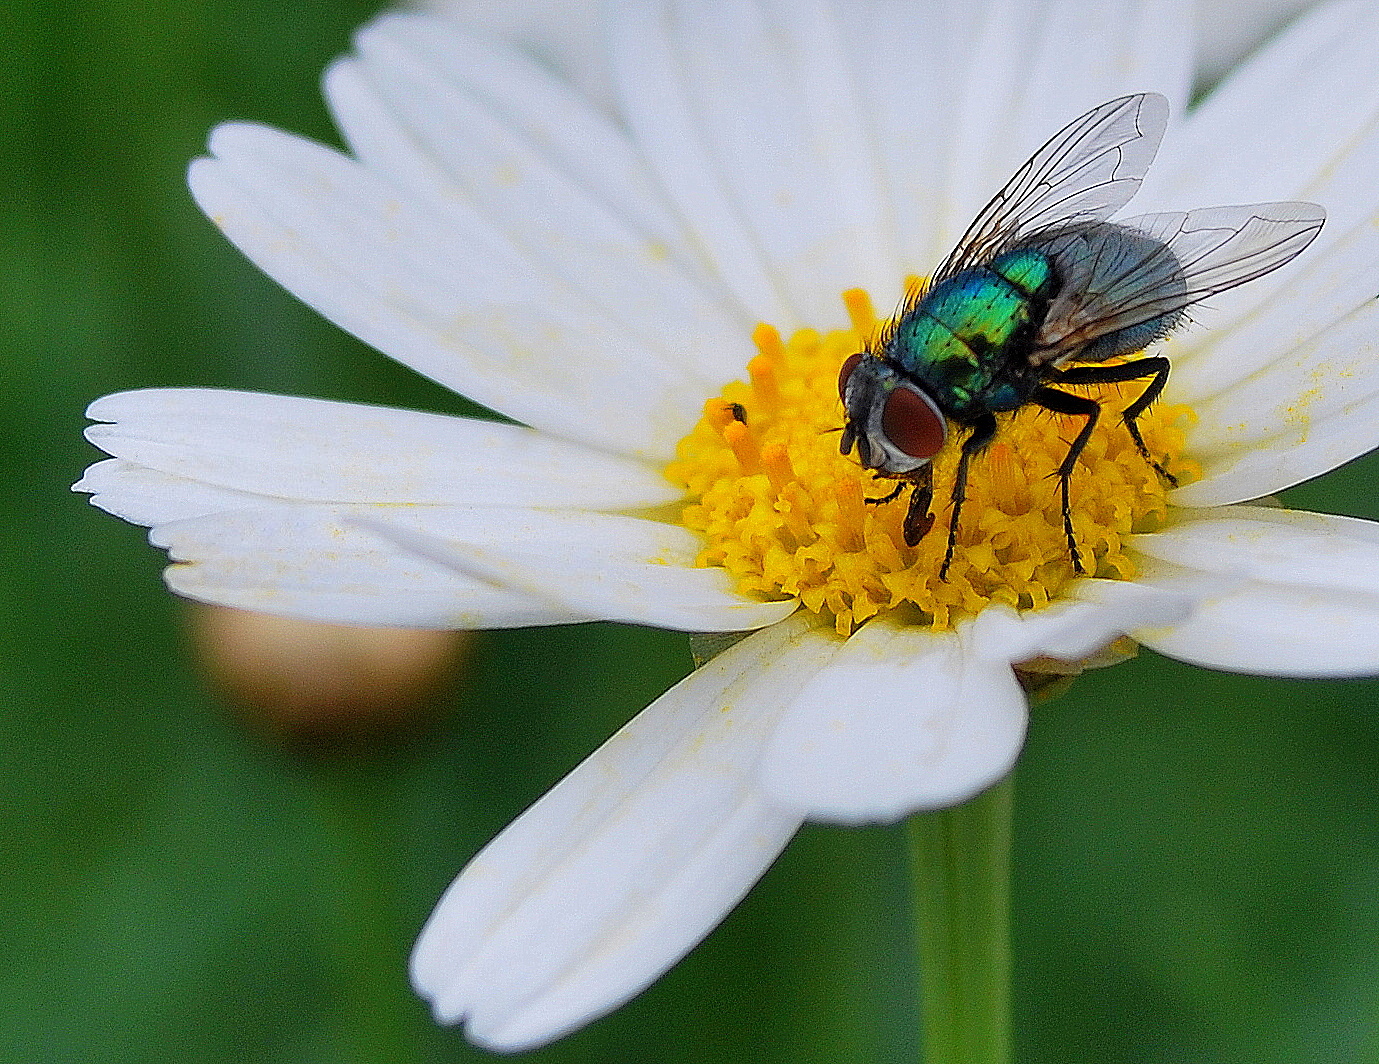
(456, 121)
(1284, 381)
(144, 496)
(611, 877)
(900, 720)
(1287, 378)
(315, 562)
(858, 244)
(1310, 411)
(904, 719)
(1270, 128)
(801, 140)
(318, 451)
(1292, 594)
(563, 33)
(961, 93)
(453, 300)
(1094, 614)
(424, 565)
(1229, 30)
(599, 565)
(772, 109)
(1116, 47)
(1298, 121)
(1265, 322)
(274, 555)
(1034, 68)
(516, 90)
(660, 107)
(903, 57)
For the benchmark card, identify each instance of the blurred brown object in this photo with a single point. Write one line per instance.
(312, 683)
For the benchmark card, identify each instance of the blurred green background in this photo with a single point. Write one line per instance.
(1197, 856)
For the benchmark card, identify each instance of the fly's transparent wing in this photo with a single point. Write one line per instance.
(1087, 172)
(1121, 277)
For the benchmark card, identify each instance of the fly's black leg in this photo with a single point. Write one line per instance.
(893, 493)
(1155, 366)
(983, 429)
(919, 518)
(1160, 367)
(1077, 406)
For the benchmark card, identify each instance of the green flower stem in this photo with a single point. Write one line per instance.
(961, 874)
(366, 945)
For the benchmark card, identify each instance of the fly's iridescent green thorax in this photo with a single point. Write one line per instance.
(958, 340)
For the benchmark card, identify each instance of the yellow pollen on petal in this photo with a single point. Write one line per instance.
(789, 516)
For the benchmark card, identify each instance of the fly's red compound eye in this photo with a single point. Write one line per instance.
(912, 423)
(845, 373)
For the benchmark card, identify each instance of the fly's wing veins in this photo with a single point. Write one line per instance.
(1086, 172)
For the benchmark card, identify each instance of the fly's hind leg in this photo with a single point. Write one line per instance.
(1077, 406)
(1155, 366)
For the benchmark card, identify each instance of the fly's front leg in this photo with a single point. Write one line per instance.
(1077, 406)
(919, 518)
(1155, 366)
(893, 493)
(983, 429)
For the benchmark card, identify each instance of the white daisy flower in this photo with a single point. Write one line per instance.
(658, 298)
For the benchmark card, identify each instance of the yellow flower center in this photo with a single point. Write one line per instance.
(788, 515)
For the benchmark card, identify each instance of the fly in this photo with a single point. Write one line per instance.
(1041, 291)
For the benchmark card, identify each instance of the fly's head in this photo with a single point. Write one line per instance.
(895, 425)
